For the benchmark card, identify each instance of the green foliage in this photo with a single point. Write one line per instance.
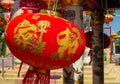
(118, 32)
(111, 11)
(3, 50)
(1, 15)
(2, 40)
(118, 40)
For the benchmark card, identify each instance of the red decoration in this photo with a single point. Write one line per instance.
(34, 5)
(88, 36)
(7, 4)
(44, 41)
(108, 18)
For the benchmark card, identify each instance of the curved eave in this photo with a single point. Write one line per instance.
(117, 37)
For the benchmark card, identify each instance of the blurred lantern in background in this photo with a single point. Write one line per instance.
(108, 18)
(7, 4)
(88, 36)
(45, 42)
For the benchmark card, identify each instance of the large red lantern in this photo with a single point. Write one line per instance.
(108, 18)
(7, 4)
(44, 41)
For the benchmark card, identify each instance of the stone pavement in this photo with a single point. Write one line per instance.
(10, 74)
(116, 59)
(111, 74)
(111, 71)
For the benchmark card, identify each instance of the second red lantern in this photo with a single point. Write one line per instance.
(7, 4)
(108, 18)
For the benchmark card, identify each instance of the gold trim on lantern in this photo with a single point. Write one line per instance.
(50, 12)
(38, 70)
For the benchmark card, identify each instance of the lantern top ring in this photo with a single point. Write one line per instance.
(50, 12)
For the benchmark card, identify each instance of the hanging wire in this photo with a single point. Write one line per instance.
(55, 5)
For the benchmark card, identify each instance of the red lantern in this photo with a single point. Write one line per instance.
(34, 5)
(7, 4)
(44, 41)
(108, 18)
(88, 36)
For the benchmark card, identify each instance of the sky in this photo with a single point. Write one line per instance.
(115, 24)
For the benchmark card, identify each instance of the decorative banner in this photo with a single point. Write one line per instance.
(44, 41)
(87, 20)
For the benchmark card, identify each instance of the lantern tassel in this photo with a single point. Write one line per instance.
(36, 76)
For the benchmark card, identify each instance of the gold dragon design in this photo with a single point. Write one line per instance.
(25, 35)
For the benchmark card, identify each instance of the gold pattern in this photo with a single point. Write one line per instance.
(67, 41)
(33, 63)
(25, 35)
(52, 67)
(35, 17)
(38, 70)
(22, 34)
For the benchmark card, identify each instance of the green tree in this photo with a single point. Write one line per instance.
(118, 32)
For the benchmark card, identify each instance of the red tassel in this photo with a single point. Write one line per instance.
(36, 76)
(20, 68)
